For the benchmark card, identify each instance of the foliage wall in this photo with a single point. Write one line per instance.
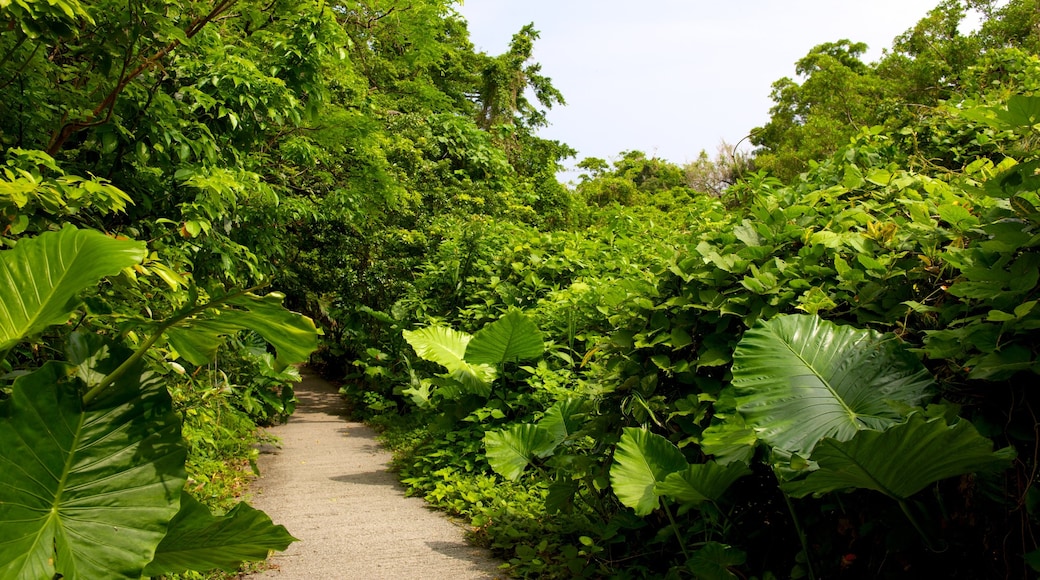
(822, 370)
(172, 171)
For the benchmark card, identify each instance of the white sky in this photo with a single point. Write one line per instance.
(673, 77)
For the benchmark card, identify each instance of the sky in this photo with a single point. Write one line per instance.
(674, 77)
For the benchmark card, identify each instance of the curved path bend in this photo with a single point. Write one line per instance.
(328, 484)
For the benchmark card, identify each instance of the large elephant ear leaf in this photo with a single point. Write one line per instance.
(510, 338)
(41, 277)
(714, 560)
(642, 460)
(511, 450)
(75, 479)
(199, 541)
(902, 460)
(447, 347)
(440, 344)
(293, 335)
(563, 419)
(798, 379)
(701, 482)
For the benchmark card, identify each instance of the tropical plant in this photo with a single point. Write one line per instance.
(473, 362)
(92, 445)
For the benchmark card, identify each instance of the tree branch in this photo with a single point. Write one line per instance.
(107, 105)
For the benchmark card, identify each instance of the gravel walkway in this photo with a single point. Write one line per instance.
(328, 484)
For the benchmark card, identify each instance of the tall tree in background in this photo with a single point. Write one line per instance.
(934, 61)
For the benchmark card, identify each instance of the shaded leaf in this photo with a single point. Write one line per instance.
(713, 561)
(197, 540)
(701, 482)
(901, 460)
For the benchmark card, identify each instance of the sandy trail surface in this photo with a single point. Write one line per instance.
(328, 484)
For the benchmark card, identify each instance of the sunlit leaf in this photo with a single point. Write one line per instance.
(198, 540)
(293, 335)
(440, 344)
(510, 338)
(41, 277)
(76, 479)
(798, 379)
(563, 419)
(511, 450)
(642, 460)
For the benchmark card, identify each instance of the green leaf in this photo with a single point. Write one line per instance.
(1002, 364)
(701, 482)
(293, 335)
(41, 277)
(1016, 179)
(713, 561)
(440, 344)
(563, 419)
(447, 347)
(901, 460)
(798, 379)
(957, 216)
(511, 450)
(1033, 559)
(730, 440)
(642, 460)
(510, 338)
(86, 493)
(199, 541)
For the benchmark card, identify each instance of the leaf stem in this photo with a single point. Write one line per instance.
(147, 344)
(801, 534)
(675, 528)
(917, 526)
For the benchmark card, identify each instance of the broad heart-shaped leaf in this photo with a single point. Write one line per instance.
(713, 561)
(447, 347)
(563, 419)
(293, 335)
(41, 277)
(641, 461)
(510, 338)
(1014, 180)
(197, 540)
(701, 482)
(798, 379)
(440, 344)
(511, 450)
(902, 460)
(476, 379)
(86, 493)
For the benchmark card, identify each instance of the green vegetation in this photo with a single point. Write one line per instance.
(809, 361)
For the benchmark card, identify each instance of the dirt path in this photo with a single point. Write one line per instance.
(328, 485)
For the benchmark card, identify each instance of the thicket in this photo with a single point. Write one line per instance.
(172, 171)
(813, 374)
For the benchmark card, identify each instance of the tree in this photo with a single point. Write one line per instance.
(505, 80)
(714, 175)
(838, 96)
